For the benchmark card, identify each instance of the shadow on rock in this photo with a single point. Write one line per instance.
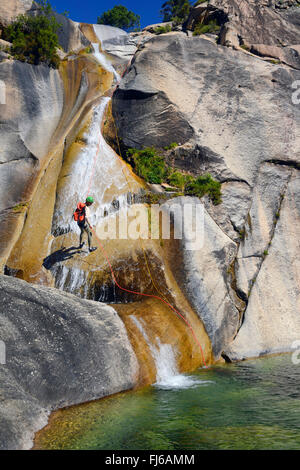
(61, 255)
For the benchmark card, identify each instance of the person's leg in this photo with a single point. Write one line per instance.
(89, 234)
(81, 235)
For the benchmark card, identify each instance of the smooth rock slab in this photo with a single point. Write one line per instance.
(272, 318)
(60, 351)
(205, 274)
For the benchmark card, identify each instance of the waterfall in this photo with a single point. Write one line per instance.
(96, 169)
(104, 62)
(167, 374)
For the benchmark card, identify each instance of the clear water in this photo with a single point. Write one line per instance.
(250, 405)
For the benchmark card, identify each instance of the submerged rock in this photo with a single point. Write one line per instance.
(60, 351)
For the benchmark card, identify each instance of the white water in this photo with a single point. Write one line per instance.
(167, 374)
(104, 62)
(96, 170)
(72, 280)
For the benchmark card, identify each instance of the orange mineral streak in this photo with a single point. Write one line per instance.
(89, 32)
(29, 227)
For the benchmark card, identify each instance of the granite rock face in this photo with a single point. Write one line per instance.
(256, 21)
(272, 322)
(243, 125)
(10, 9)
(205, 264)
(60, 351)
(70, 36)
(205, 96)
(34, 100)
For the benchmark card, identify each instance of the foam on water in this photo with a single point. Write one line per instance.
(167, 374)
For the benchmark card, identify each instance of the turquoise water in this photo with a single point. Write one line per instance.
(249, 405)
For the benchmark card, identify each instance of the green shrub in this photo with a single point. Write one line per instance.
(173, 145)
(163, 29)
(34, 38)
(152, 168)
(177, 180)
(20, 207)
(203, 185)
(211, 27)
(148, 164)
(243, 234)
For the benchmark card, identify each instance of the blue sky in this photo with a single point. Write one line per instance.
(87, 11)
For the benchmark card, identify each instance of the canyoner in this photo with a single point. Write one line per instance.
(82, 217)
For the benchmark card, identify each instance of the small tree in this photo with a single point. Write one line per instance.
(175, 10)
(34, 38)
(120, 17)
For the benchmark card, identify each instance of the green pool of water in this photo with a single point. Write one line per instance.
(250, 405)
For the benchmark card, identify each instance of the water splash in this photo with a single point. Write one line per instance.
(167, 374)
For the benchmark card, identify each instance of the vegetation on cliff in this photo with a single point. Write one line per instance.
(34, 38)
(148, 164)
(209, 27)
(151, 166)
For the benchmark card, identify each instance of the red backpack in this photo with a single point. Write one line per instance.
(79, 214)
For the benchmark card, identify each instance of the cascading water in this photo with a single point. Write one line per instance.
(73, 280)
(96, 170)
(104, 62)
(93, 170)
(167, 374)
